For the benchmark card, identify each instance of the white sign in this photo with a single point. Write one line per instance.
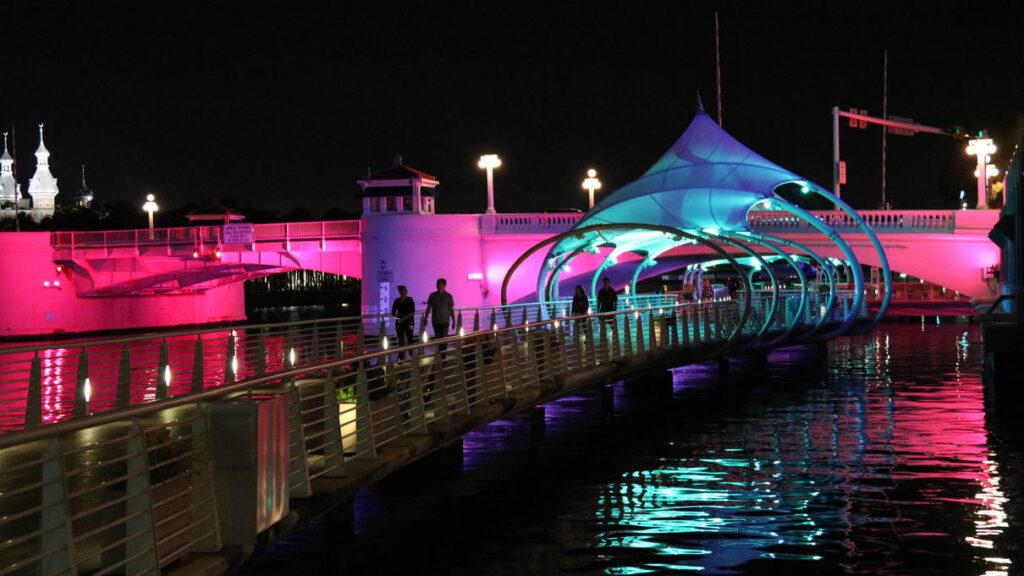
(241, 233)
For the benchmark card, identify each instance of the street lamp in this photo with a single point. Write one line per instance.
(981, 147)
(591, 184)
(150, 206)
(489, 162)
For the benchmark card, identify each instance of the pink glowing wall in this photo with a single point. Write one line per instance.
(27, 307)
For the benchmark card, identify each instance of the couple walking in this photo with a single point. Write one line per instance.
(440, 308)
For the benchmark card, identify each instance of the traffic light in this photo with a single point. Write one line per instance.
(959, 132)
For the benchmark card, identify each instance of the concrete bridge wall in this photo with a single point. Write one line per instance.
(29, 307)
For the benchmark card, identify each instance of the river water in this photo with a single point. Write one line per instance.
(873, 456)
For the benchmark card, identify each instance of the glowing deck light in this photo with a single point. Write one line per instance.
(425, 337)
(384, 343)
(291, 356)
(234, 365)
(489, 162)
(462, 331)
(167, 375)
(87, 390)
(591, 183)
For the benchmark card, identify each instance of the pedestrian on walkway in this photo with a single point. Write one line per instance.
(441, 311)
(403, 310)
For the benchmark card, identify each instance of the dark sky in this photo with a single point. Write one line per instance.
(289, 106)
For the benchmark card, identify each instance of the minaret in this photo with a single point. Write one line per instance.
(43, 186)
(84, 197)
(8, 187)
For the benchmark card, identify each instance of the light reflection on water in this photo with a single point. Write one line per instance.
(874, 460)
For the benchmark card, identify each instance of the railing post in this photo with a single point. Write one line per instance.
(334, 444)
(261, 352)
(440, 385)
(652, 336)
(590, 344)
(198, 365)
(140, 546)
(34, 402)
(289, 346)
(706, 337)
(163, 372)
(82, 391)
(640, 348)
(314, 345)
(628, 334)
(204, 489)
(502, 379)
(460, 373)
(298, 465)
(416, 410)
(124, 378)
(55, 532)
(476, 321)
(365, 442)
(229, 359)
(532, 358)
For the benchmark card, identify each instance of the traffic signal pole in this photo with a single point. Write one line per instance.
(908, 128)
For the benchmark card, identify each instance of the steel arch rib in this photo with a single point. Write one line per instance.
(832, 290)
(883, 259)
(844, 247)
(636, 226)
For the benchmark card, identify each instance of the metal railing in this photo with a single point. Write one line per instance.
(131, 489)
(47, 383)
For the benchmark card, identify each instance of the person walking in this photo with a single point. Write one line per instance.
(607, 301)
(580, 305)
(403, 310)
(440, 310)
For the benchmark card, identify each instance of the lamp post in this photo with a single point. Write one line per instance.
(981, 147)
(591, 184)
(150, 206)
(489, 162)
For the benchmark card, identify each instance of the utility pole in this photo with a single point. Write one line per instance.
(885, 114)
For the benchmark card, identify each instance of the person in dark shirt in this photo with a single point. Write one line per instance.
(607, 298)
(607, 301)
(580, 305)
(403, 310)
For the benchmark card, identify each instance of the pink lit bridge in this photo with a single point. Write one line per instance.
(947, 248)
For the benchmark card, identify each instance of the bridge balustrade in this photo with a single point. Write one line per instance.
(133, 489)
(884, 221)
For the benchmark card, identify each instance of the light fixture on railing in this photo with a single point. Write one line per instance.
(87, 391)
(167, 376)
(425, 337)
(384, 343)
(291, 357)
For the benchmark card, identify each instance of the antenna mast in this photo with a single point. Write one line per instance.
(718, 71)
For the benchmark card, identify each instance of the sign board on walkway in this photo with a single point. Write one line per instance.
(240, 233)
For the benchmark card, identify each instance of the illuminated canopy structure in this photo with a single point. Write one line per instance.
(702, 187)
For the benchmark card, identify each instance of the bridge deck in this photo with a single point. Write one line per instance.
(141, 488)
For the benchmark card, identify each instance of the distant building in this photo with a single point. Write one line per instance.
(42, 187)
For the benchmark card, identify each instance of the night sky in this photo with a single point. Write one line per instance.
(285, 107)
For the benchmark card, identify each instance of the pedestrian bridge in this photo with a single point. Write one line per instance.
(157, 453)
